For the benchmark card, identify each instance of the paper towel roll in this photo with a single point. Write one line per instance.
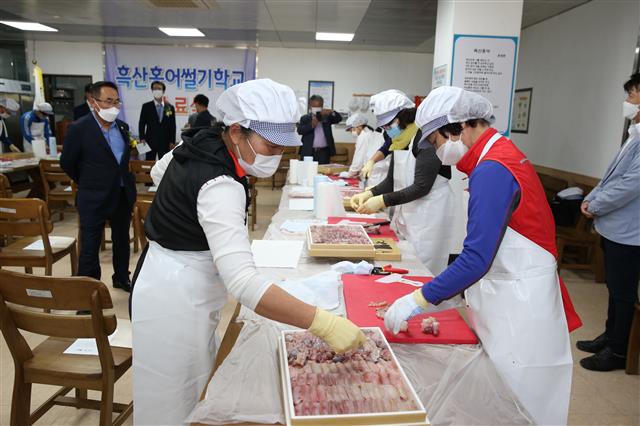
(316, 180)
(312, 170)
(328, 201)
(293, 171)
(301, 173)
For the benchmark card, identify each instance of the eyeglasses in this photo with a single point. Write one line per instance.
(110, 102)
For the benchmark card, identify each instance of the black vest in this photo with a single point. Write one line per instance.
(172, 220)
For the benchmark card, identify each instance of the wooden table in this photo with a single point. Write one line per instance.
(36, 189)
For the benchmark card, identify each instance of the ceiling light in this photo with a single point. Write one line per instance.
(181, 32)
(28, 26)
(334, 36)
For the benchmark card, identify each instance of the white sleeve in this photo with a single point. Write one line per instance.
(359, 155)
(221, 213)
(158, 169)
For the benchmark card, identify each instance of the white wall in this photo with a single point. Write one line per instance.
(68, 58)
(576, 64)
(352, 71)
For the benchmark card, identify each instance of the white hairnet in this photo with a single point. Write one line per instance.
(267, 107)
(10, 104)
(44, 107)
(357, 119)
(387, 104)
(448, 104)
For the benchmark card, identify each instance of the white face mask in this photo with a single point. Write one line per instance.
(109, 114)
(157, 94)
(630, 110)
(354, 133)
(263, 166)
(315, 110)
(5, 115)
(451, 152)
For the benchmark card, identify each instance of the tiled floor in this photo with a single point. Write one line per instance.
(596, 399)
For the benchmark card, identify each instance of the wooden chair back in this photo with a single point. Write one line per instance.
(53, 176)
(341, 157)
(140, 210)
(31, 298)
(25, 217)
(141, 170)
(5, 187)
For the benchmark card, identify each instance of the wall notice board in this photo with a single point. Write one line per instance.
(322, 88)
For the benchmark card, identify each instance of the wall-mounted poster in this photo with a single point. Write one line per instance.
(487, 65)
(322, 88)
(439, 77)
(521, 111)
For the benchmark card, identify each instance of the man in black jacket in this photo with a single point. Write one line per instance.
(204, 117)
(315, 128)
(83, 109)
(157, 124)
(95, 155)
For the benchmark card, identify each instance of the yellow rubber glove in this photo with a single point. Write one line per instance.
(366, 170)
(359, 199)
(372, 205)
(339, 333)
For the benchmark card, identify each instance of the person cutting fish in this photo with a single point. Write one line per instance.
(507, 267)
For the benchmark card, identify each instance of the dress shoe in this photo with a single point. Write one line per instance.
(605, 360)
(592, 346)
(124, 285)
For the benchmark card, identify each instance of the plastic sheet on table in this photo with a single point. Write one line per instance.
(458, 384)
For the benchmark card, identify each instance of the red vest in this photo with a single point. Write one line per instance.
(532, 218)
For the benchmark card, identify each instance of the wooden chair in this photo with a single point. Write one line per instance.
(254, 199)
(633, 350)
(341, 157)
(25, 303)
(140, 210)
(585, 242)
(5, 187)
(29, 218)
(58, 187)
(141, 170)
(290, 153)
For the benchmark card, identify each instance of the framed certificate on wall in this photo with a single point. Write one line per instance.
(323, 89)
(521, 110)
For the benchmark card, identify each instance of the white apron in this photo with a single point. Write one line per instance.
(425, 222)
(175, 312)
(37, 132)
(516, 310)
(379, 172)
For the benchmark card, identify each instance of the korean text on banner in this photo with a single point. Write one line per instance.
(186, 72)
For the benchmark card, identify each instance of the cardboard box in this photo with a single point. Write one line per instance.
(332, 169)
(347, 251)
(415, 417)
(386, 248)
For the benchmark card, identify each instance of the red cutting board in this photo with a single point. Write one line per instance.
(350, 181)
(359, 290)
(385, 230)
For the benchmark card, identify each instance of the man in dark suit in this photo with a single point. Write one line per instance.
(95, 155)
(204, 117)
(157, 124)
(315, 128)
(83, 109)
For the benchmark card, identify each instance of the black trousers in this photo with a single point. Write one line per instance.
(321, 155)
(91, 237)
(622, 272)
